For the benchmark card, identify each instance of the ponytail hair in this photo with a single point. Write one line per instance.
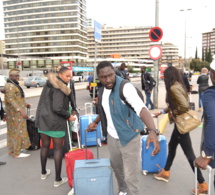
(61, 69)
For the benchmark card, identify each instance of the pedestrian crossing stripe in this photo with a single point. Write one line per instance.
(3, 143)
(3, 131)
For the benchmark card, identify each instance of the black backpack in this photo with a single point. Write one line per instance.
(122, 96)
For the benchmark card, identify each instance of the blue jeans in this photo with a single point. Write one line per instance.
(148, 100)
(200, 99)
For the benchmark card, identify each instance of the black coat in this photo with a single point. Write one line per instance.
(53, 108)
(203, 82)
(146, 81)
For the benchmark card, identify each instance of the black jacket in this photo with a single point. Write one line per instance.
(203, 82)
(2, 110)
(53, 108)
(186, 82)
(146, 81)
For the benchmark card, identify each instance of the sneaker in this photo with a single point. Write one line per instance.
(202, 189)
(43, 176)
(162, 175)
(22, 155)
(122, 193)
(59, 183)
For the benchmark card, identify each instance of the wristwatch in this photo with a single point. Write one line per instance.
(204, 155)
(156, 131)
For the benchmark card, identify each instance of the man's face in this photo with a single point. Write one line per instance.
(122, 67)
(107, 77)
(14, 77)
(212, 75)
(143, 70)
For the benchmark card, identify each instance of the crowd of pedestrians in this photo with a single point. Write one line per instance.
(121, 127)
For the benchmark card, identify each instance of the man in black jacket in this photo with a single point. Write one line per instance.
(3, 117)
(147, 86)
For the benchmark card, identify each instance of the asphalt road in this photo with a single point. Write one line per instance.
(22, 176)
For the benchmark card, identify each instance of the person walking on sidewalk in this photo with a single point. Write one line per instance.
(120, 71)
(178, 103)
(122, 127)
(147, 86)
(202, 81)
(15, 105)
(208, 145)
(51, 120)
(3, 117)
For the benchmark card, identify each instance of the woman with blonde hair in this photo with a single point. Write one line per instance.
(203, 85)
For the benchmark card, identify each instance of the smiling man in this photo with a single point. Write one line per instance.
(122, 127)
(17, 135)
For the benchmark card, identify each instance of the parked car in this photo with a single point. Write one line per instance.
(3, 80)
(35, 81)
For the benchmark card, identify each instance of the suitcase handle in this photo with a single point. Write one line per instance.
(210, 180)
(97, 143)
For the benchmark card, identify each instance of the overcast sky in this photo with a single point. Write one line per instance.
(142, 13)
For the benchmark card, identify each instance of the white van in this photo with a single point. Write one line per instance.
(3, 80)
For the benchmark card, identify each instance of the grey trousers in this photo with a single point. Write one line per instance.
(125, 162)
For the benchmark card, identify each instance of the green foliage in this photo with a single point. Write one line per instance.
(203, 56)
(208, 56)
(197, 65)
(130, 68)
(196, 55)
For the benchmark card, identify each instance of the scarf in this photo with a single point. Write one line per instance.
(18, 86)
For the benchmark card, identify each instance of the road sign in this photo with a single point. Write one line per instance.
(155, 52)
(155, 34)
(97, 31)
(19, 63)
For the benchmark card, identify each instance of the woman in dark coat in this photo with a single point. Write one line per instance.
(203, 85)
(51, 120)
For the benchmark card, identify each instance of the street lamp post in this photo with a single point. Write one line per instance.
(185, 34)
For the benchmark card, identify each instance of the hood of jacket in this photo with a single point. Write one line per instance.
(58, 83)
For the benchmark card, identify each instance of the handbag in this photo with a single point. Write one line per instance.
(187, 121)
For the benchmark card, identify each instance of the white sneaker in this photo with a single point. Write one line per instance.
(22, 155)
(43, 176)
(122, 193)
(71, 192)
(59, 183)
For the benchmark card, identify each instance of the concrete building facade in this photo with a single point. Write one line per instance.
(43, 33)
(3, 61)
(129, 43)
(208, 42)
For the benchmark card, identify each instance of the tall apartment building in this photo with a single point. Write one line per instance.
(208, 41)
(170, 54)
(44, 32)
(128, 42)
(3, 60)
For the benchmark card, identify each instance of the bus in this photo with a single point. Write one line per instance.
(79, 73)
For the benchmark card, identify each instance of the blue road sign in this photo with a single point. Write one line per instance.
(97, 31)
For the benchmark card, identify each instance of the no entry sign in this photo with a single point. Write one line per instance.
(155, 34)
(155, 52)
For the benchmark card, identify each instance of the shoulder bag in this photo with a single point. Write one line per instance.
(187, 121)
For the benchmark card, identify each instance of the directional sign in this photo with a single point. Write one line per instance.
(97, 31)
(155, 52)
(155, 34)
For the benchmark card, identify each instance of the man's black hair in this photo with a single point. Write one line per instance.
(102, 65)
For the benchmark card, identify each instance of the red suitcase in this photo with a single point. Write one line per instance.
(70, 157)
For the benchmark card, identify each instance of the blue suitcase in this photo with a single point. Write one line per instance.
(85, 120)
(151, 163)
(93, 177)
